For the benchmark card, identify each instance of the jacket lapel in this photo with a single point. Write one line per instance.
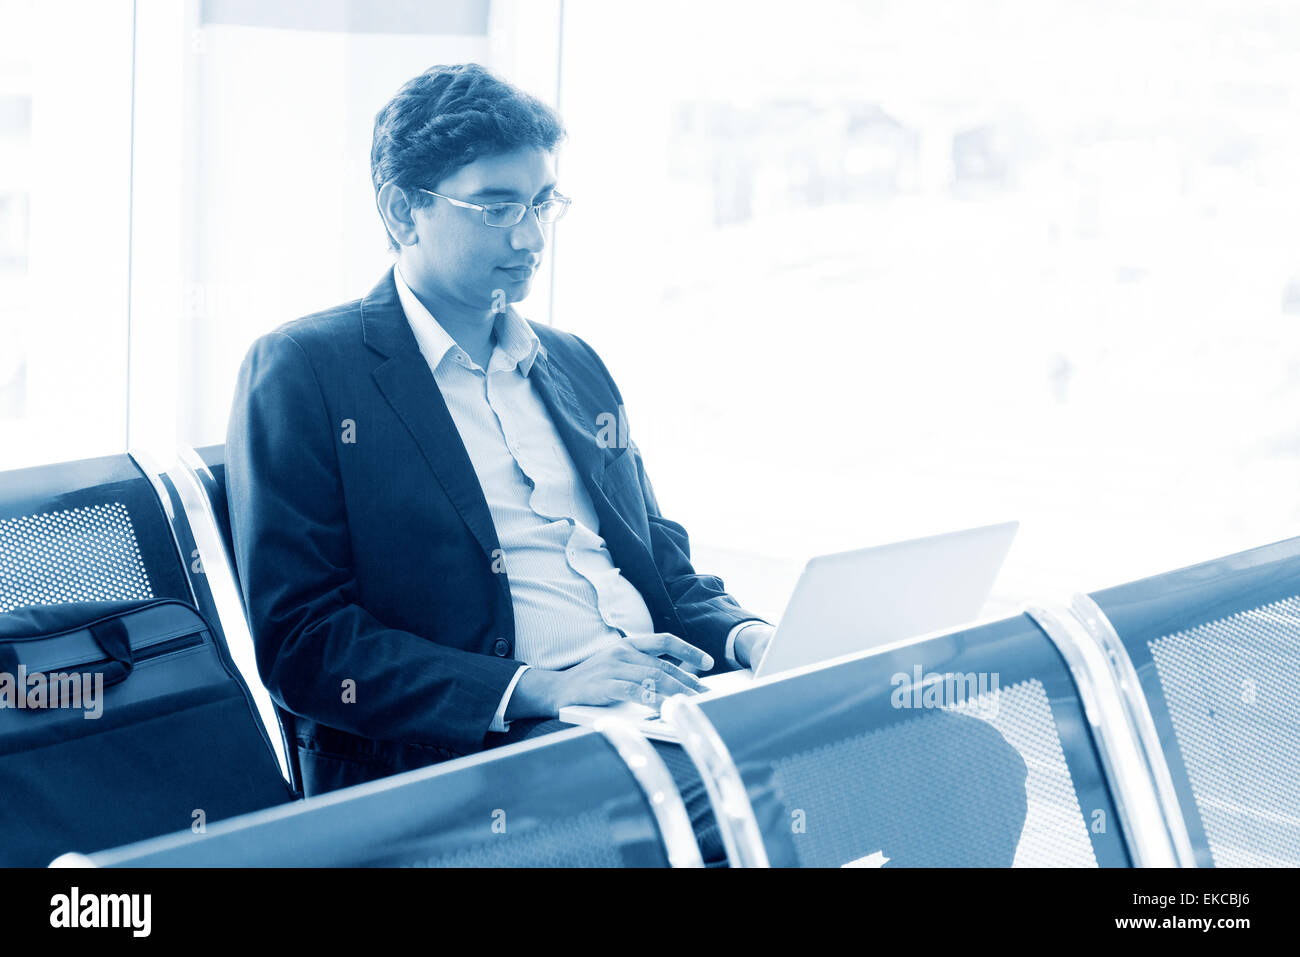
(557, 394)
(632, 554)
(571, 422)
(409, 386)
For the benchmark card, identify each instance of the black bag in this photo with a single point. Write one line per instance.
(131, 721)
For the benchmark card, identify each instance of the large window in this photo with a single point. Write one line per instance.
(863, 270)
(65, 147)
(254, 203)
(179, 176)
(869, 270)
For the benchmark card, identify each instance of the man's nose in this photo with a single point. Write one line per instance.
(528, 233)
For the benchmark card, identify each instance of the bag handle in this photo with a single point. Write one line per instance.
(111, 636)
(113, 641)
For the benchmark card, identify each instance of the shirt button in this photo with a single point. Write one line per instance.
(501, 648)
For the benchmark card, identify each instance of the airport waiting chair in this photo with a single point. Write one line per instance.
(1210, 660)
(208, 464)
(968, 749)
(205, 471)
(109, 530)
(613, 804)
(90, 530)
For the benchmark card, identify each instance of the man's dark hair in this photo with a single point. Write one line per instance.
(448, 117)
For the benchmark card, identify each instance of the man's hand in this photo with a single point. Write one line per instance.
(752, 642)
(631, 671)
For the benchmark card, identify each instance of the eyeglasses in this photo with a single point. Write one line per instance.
(505, 215)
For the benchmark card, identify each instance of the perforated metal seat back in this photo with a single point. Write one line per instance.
(967, 750)
(565, 800)
(1217, 650)
(82, 531)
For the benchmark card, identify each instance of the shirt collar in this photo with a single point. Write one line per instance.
(514, 336)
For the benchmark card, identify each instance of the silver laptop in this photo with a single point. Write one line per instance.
(851, 602)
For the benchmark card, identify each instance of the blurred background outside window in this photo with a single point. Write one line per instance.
(862, 270)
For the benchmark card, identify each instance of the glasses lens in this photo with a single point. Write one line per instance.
(551, 210)
(504, 214)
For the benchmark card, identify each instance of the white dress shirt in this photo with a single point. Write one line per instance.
(569, 599)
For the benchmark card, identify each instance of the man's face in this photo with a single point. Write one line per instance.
(461, 260)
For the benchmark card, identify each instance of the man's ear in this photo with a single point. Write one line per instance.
(397, 214)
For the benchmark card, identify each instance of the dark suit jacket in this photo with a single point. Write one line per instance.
(365, 546)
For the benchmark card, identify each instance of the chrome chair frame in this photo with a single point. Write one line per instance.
(196, 485)
(737, 824)
(212, 586)
(1154, 828)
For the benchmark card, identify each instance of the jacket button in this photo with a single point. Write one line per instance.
(501, 648)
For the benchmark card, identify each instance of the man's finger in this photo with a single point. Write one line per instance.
(656, 684)
(646, 692)
(672, 680)
(664, 643)
(685, 677)
(626, 690)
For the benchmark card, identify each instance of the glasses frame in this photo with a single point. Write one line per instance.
(535, 207)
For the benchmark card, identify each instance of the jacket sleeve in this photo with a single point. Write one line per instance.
(707, 611)
(321, 654)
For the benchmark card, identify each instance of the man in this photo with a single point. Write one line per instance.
(434, 537)
(439, 539)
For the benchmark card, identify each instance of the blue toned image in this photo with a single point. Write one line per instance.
(490, 434)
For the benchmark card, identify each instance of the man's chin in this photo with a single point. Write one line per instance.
(509, 291)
